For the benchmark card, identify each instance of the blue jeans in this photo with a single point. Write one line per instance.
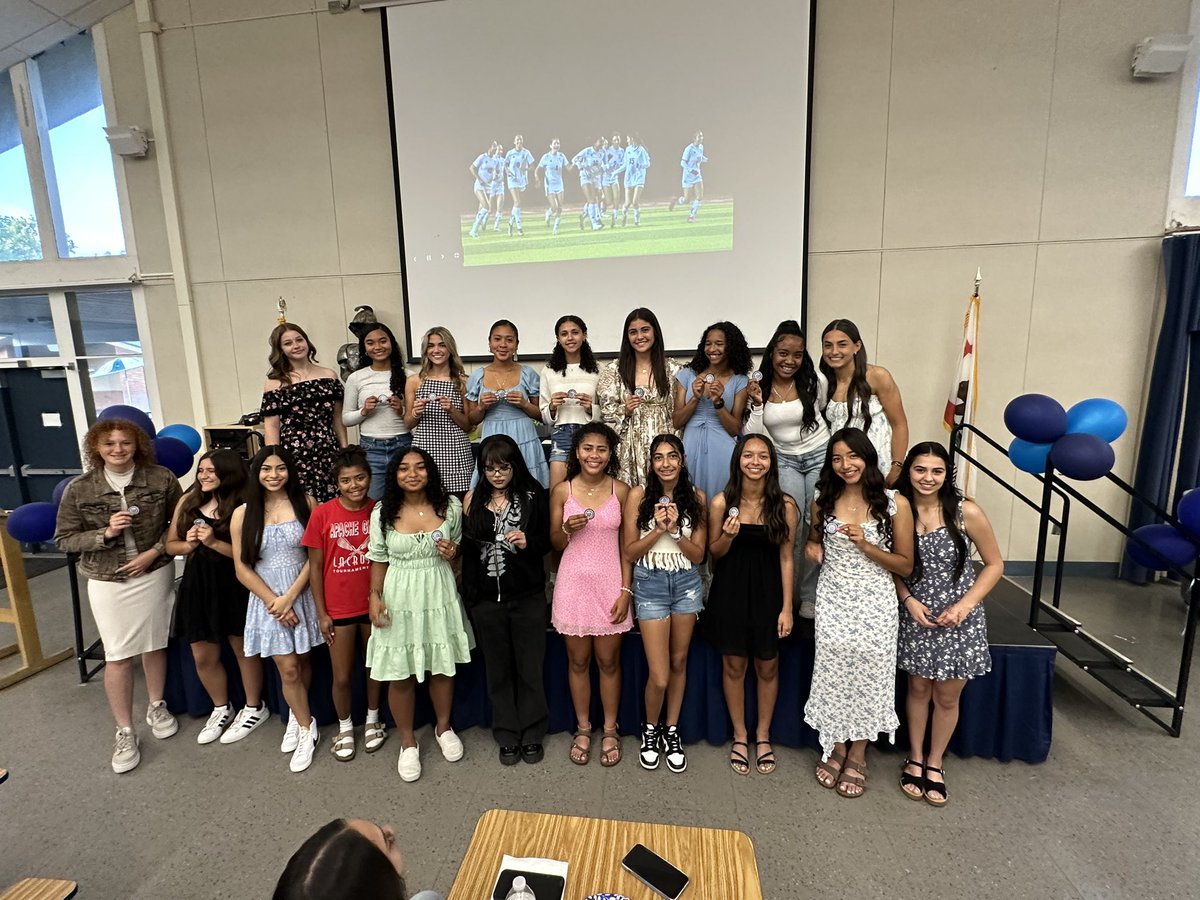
(379, 452)
(561, 437)
(798, 477)
(659, 593)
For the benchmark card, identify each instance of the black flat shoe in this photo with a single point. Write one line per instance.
(532, 753)
(510, 756)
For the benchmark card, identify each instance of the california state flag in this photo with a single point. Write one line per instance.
(960, 407)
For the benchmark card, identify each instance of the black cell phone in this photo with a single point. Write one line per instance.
(655, 872)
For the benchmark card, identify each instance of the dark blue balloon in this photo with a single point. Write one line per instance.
(132, 413)
(1029, 457)
(60, 489)
(1036, 418)
(1103, 418)
(174, 454)
(1167, 545)
(33, 523)
(1084, 457)
(185, 433)
(1188, 512)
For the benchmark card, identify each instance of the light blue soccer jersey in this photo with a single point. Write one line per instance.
(590, 163)
(637, 161)
(516, 167)
(553, 162)
(693, 157)
(491, 175)
(480, 180)
(614, 163)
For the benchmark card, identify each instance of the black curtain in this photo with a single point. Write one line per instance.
(1174, 377)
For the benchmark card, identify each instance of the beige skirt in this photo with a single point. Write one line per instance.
(133, 616)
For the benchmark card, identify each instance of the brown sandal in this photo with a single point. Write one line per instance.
(859, 780)
(834, 774)
(607, 757)
(579, 754)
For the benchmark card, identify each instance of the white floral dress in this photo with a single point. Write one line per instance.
(853, 693)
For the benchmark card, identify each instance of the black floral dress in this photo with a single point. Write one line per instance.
(306, 410)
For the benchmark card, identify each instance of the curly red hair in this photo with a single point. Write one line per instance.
(143, 456)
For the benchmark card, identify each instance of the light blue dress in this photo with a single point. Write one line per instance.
(282, 559)
(505, 418)
(705, 441)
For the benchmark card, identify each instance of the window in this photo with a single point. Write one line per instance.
(26, 327)
(19, 237)
(110, 351)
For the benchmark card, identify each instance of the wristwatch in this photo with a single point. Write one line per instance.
(719, 403)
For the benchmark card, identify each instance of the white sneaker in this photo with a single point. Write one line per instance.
(808, 609)
(160, 720)
(126, 754)
(306, 744)
(452, 747)
(217, 720)
(409, 764)
(291, 735)
(247, 719)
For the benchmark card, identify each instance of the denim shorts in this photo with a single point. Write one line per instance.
(659, 593)
(560, 442)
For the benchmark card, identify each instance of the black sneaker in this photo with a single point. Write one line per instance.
(676, 758)
(650, 753)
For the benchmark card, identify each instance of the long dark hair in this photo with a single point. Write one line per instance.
(684, 496)
(231, 472)
(573, 465)
(830, 484)
(396, 360)
(256, 499)
(558, 356)
(805, 377)
(858, 394)
(737, 351)
(627, 360)
(774, 507)
(948, 498)
(281, 366)
(499, 448)
(393, 494)
(339, 863)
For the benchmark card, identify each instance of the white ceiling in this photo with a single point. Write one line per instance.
(28, 27)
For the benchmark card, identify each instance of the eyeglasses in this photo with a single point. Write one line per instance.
(498, 469)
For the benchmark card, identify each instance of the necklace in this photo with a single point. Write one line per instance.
(784, 396)
(923, 527)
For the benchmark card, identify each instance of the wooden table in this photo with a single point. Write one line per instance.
(40, 889)
(720, 863)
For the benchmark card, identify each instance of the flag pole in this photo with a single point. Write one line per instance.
(978, 280)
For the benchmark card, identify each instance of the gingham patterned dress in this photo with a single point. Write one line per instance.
(439, 435)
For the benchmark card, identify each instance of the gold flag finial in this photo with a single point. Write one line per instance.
(281, 308)
(978, 280)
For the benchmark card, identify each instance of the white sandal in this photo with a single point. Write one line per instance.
(374, 734)
(343, 746)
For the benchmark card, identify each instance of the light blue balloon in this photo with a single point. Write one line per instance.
(1103, 418)
(1029, 457)
(185, 433)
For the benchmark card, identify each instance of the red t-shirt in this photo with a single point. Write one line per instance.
(343, 537)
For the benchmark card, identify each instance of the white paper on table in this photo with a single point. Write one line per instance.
(534, 864)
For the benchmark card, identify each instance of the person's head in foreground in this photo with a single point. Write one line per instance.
(346, 859)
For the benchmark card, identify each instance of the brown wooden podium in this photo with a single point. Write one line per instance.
(19, 612)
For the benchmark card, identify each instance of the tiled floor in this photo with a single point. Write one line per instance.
(1112, 813)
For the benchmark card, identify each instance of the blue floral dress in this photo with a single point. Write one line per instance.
(853, 694)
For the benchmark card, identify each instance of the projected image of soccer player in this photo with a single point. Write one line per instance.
(516, 169)
(636, 162)
(481, 171)
(553, 161)
(496, 186)
(590, 163)
(693, 181)
(614, 162)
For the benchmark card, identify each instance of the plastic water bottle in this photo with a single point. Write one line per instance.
(519, 890)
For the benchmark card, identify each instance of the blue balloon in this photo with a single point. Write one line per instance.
(1084, 457)
(132, 413)
(60, 489)
(1103, 418)
(1029, 457)
(1036, 418)
(185, 433)
(33, 523)
(1188, 512)
(1167, 545)
(174, 455)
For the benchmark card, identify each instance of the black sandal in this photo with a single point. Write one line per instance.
(738, 761)
(766, 762)
(917, 781)
(936, 787)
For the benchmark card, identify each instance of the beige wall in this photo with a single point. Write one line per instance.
(947, 135)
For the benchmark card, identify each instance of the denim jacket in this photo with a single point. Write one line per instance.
(90, 501)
